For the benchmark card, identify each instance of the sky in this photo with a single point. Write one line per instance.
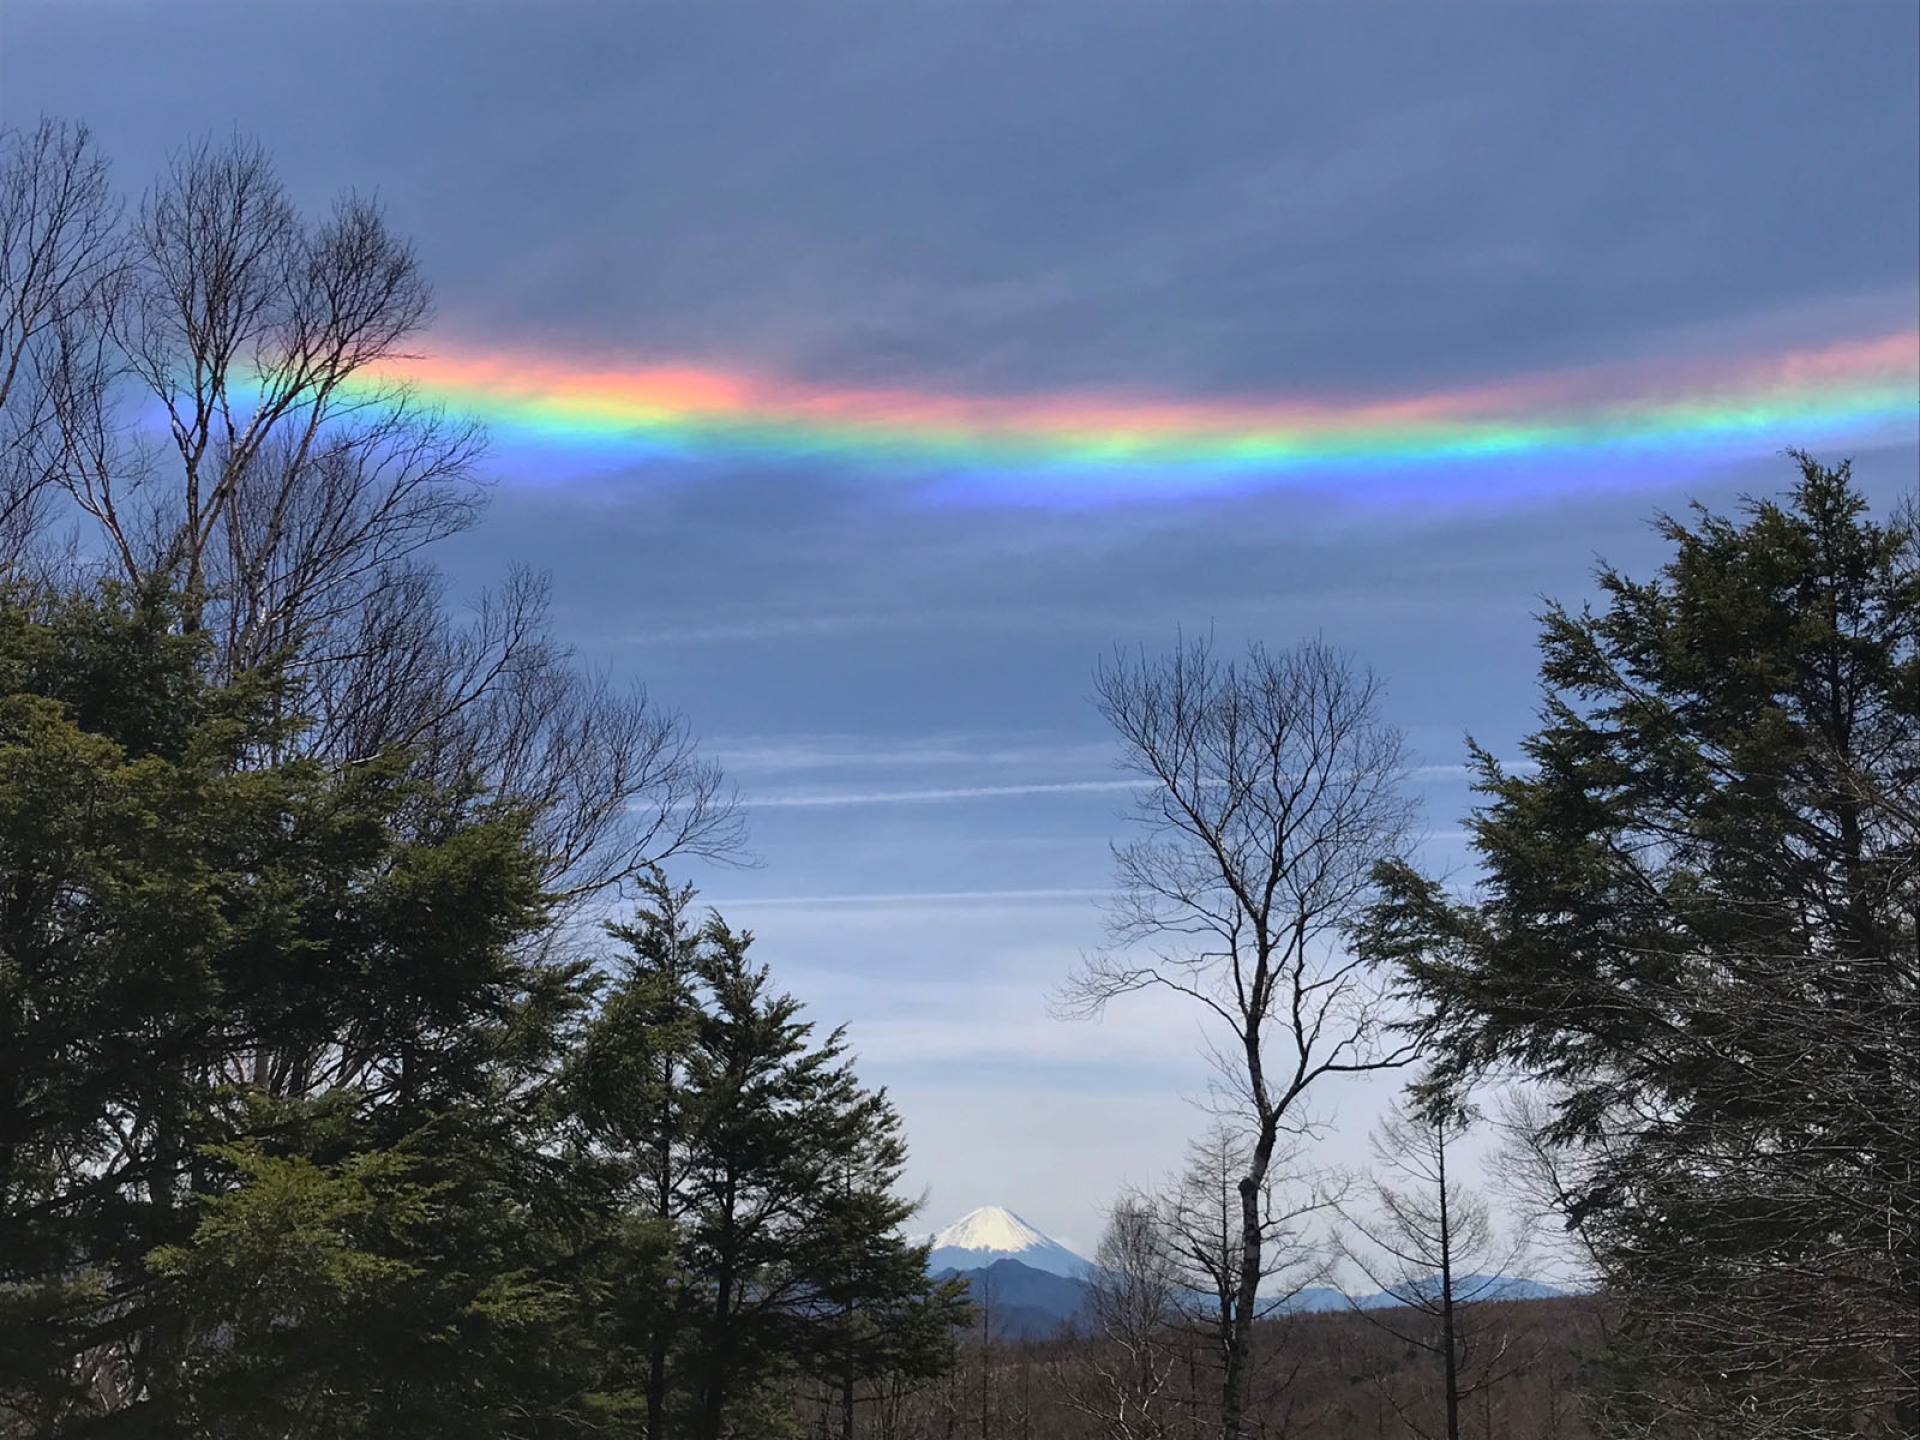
(1115, 204)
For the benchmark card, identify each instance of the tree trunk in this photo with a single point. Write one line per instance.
(713, 1399)
(657, 1389)
(1233, 1384)
(1450, 1359)
(846, 1380)
(986, 1357)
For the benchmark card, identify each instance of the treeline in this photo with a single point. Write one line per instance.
(1332, 1376)
(326, 1108)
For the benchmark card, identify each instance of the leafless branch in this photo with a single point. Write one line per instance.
(1274, 789)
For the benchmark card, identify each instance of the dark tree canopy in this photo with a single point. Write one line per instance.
(232, 994)
(1697, 926)
(298, 1136)
(766, 1172)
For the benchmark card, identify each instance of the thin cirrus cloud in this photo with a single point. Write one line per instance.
(949, 793)
(779, 755)
(918, 898)
(941, 794)
(783, 753)
(923, 899)
(774, 755)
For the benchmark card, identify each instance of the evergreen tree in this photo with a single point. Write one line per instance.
(627, 1100)
(1698, 927)
(255, 1036)
(757, 1178)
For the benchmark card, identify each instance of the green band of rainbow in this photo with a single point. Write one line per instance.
(1092, 443)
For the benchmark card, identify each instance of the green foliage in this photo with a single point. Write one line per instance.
(301, 1136)
(767, 1174)
(1698, 927)
(284, 1266)
(229, 985)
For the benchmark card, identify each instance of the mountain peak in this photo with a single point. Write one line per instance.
(992, 1233)
(990, 1228)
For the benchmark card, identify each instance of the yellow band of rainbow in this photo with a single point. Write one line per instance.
(1846, 390)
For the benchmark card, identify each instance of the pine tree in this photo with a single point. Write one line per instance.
(763, 1174)
(1698, 927)
(256, 1028)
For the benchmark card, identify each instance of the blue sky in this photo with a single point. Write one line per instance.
(1188, 200)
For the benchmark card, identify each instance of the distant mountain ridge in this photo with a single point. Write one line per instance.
(1017, 1301)
(1472, 1287)
(1032, 1284)
(1012, 1300)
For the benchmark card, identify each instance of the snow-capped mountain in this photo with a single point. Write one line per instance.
(982, 1236)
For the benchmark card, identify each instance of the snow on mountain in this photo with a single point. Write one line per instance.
(982, 1236)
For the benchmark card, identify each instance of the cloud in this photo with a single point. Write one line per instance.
(941, 795)
(946, 794)
(916, 898)
(1206, 199)
(782, 754)
(773, 755)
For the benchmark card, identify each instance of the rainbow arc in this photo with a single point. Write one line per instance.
(1090, 445)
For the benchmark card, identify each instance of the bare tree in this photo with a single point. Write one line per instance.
(1429, 1241)
(296, 484)
(1539, 1182)
(1133, 1300)
(1274, 789)
(258, 333)
(61, 264)
(1201, 1222)
(615, 782)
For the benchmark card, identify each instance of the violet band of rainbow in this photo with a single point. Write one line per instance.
(1854, 389)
